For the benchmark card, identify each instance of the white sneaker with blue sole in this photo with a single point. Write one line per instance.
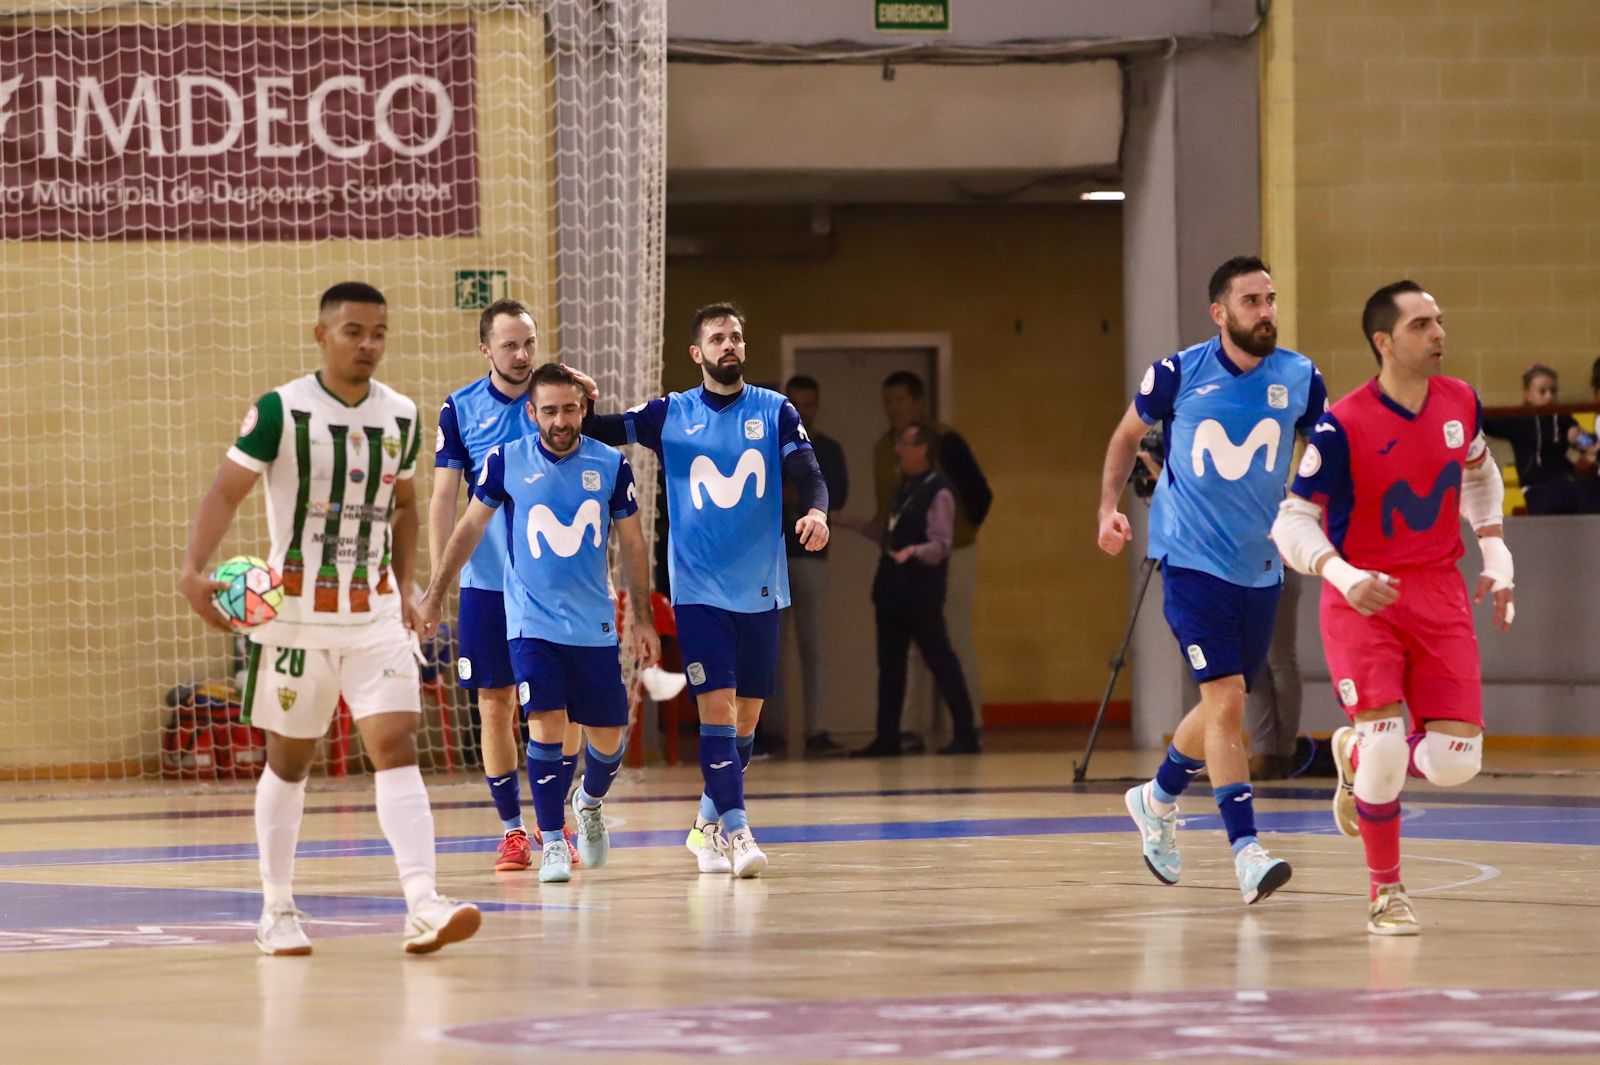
(1158, 834)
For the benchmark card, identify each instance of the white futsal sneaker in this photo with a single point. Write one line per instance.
(709, 847)
(748, 861)
(436, 921)
(555, 862)
(279, 934)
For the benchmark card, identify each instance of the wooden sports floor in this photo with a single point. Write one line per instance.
(925, 909)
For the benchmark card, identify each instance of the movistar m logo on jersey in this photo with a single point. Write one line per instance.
(565, 540)
(1232, 461)
(1421, 512)
(706, 481)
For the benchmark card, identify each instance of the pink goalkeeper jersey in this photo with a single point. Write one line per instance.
(1389, 481)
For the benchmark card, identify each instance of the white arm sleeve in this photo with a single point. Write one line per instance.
(1302, 543)
(1483, 490)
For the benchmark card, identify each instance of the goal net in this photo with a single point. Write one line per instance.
(178, 184)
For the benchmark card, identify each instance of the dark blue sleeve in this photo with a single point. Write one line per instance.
(637, 425)
(801, 470)
(1316, 403)
(624, 497)
(1325, 467)
(1158, 391)
(792, 435)
(491, 487)
(449, 450)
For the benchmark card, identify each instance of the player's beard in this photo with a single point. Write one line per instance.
(725, 373)
(1260, 341)
(561, 444)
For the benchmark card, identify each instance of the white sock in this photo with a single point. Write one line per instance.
(1157, 807)
(280, 807)
(407, 823)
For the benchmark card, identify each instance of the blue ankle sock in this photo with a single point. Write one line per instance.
(1174, 775)
(719, 758)
(549, 801)
(506, 792)
(1236, 802)
(708, 809)
(599, 770)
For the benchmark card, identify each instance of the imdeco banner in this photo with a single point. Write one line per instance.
(237, 132)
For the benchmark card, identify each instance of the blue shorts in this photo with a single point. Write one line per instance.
(1223, 629)
(728, 649)
(586, 682)
(483, 660)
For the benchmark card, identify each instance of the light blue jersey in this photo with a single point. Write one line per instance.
(1230, 446)
(558, 516)
(724, 466)
(473, 420)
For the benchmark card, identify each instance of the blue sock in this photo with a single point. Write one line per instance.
(506, 792)
(708, 809)
(569, 767)
(549, 801)
(599, 770)
(718, 756)
(1237, 804)
(1172, 779)
(747, 747)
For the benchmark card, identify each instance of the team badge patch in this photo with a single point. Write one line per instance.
(697, 673)
(1278, 396)
(1197, 657)
(1148, 384)
(286, 698)
(251, 416)
(754, 429)
(1347, 692)
(464, 668)
(524, 693)
(1311, 461)
(591, 480)
(1454, 434)
(438, 439)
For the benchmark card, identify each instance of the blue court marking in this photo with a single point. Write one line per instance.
(1094, 787)
(1549, 825)
(25, 906)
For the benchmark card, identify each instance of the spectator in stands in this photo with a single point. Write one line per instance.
(1540, 442)
(905, 401)
(808, 572)
(908, 594)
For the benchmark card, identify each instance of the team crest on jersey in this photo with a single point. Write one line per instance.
(591, 480)
(248, 426)
(1278, 396)
(754, 429)
(391, 446)
(1347, 692)
(286, 698)
(1311, 461)
(1454, 434)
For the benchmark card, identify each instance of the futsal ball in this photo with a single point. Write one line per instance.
(253, 594)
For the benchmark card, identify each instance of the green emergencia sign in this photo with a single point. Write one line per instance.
(476, 289)
(911, 16)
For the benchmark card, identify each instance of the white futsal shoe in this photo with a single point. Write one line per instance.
(1345, 817)
(436, 921)
(710, 848)
(748, 860)
(279, 934)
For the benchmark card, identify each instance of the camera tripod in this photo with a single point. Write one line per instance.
(1081, 769)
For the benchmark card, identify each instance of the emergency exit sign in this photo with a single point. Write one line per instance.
(911, 16)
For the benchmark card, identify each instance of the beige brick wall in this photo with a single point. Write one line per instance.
(1453, 141)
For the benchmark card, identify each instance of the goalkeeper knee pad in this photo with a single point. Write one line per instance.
(1450, 760)
(1384, 756)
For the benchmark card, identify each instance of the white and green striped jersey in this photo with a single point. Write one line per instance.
(329, 473)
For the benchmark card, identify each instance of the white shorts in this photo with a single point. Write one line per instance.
(294, 691)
